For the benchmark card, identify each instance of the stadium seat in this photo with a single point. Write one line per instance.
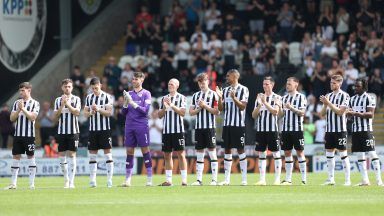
(125, 59)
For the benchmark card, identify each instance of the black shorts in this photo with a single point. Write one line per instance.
(205, 138)
(363, 141)
(233, 137)
(337, 140)
(68, 142)
(173, 142)
(267, 139)
(23, 145)
(292, 139)
(99, 140)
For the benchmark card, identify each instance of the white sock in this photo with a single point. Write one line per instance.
(64, 167)
(262, 165)
(362, 166)
(32, 171)
(346, 165)
(92, 167)
(199, 166)
(15, 171)
(227, 167)
(183, 176)
(72, 169)
(243, 166)
(376, 165)
(214, 164)
(109, 164)
(278, 165)
(288, 168)
(303, 168)
(331, 165)
(168, 175)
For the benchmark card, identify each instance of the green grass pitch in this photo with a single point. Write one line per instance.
(49, 198)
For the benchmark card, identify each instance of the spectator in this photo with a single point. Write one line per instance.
(166, 60)
(326, 20)
(200, 61)
(352, 47)
(256, 12)
(112, 72)
(198, 32)
(365, 62)
(271, 11)
(313, 109)
(229, 48)
(91, 74)
(217, 62)
(143, 17)
(286, 21)
(155, 126)
(320, 126)
(345, 59)
(191, 11)
(328, 49)
(6, 126)
(182, 30)
(156, 39)
(365, 15)
(342, 21)
(127, 72)
(78, 80)
(299, 27)
(212, 77)
(213, 44)
(143, 36)
(341, 44)
(319, 81)
(130, 40)
(152, 64)
(47, 122)
(183, 49)
(351, 74)
(376, 85)
(167, 30)
(211, 16)
(307, 45)
(309, 131)
(200, 45)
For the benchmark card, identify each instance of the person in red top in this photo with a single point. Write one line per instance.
(142, 17)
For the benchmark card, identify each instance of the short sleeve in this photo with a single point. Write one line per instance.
(345, 102)
(371, 101)
(148, 98)
(245, 95)
(36, 108)
(162, 103)
(303, 102)
(183, 103)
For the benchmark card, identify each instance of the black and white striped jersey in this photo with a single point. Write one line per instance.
(337, 123)
(68, 123)
(265, 121)
(360, 103)
(291, 120)
(233, 116)
(173, 122)
(98, 122)
(25, 127)
(205, 119)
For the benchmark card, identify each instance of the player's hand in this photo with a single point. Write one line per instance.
(219, 92)
(324, 100)
(232, 93)
(262, 98)
(20, 104)
(202, 104)
(127, 96)
(64, 100)
(94, 108)
(288, 105)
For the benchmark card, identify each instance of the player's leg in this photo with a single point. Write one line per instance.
(129, 162)
(330, 154)
(288, 167)
(63, 158)
(358, 143)
(15, 171)
(302, 165)
(109, 164)
(199, 167)
(93, 147)
(227, 166)
(243, 165)
(182, 166)
(71, 156)
(200, 137)
(274, 146)
(148, 164)
(342, 147)
(261, 149)
(376, 166)
(30, 152)
(168, 161)
(214, 165)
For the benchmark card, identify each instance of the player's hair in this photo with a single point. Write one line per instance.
(66, 81)
(337, 76)
(94, 81)
(364, 83)
(26, 85)
(176, 81)
(202, 77)
(270, 79)
(234, 71)
(139, 75)
(293, 79)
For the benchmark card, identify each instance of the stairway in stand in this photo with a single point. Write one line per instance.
(116, 50)
(378, 126)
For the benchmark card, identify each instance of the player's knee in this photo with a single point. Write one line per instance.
(92, 157)
(262, 155)
(372, 154)
(108, 157)
(276, 154)
(343, 154)
(212, 155)
(288, 153)
(360, 155)
(289, 158)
